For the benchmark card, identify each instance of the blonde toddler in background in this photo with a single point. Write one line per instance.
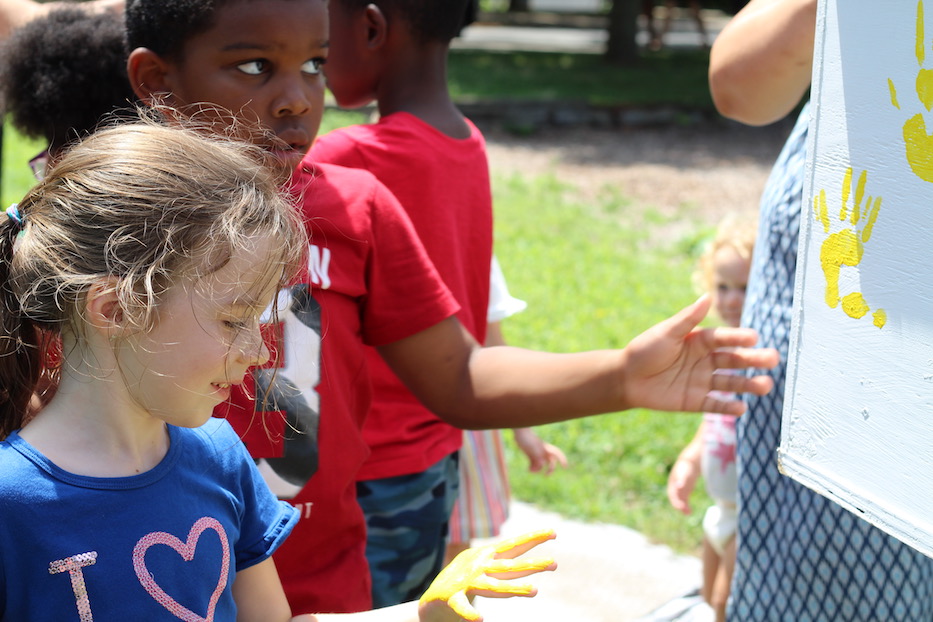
(723, 272)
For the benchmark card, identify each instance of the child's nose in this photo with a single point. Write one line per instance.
(295, 99)
(252, 350)
(263, 355)
(735, 298)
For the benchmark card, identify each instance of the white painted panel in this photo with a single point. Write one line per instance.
(858, 417)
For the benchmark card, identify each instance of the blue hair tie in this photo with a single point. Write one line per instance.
(13, 214)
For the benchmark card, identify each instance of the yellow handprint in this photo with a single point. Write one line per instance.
(917, 142)
(483, 571)
(845, 247)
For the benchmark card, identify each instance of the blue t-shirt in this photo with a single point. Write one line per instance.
(162, 545)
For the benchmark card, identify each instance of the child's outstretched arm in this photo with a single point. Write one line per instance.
(668, 367)
(684, 474)
(482, 571)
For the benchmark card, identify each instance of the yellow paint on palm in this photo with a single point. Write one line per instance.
(487, 571)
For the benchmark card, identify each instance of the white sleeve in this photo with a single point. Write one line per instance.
(501, 303)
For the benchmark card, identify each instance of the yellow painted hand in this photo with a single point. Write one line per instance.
(846, 247)
(483, 571)
(917, 142)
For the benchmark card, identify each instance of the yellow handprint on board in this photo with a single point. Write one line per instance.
(846, 247)
(917, 142)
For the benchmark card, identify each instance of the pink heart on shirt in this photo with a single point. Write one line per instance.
(187, 551)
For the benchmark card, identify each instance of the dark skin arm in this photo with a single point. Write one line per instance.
(668, 367)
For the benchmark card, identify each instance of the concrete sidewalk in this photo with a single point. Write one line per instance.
(606, 573)
(482, 36)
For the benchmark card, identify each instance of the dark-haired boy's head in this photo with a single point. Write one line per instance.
(60, 74)
(256, 60)
(429, 20)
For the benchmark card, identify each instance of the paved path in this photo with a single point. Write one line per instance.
(683, 33)
(606, 573)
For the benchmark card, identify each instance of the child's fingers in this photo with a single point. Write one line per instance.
(735, 383)
(740, 358)
(555, 457)
(462, 606)
(729, 337)
(503, 589)
(516, 568)
(677, 496)
(687, 319)
(734, 407)
(513, 547)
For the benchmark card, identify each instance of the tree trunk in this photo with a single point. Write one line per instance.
(622, 48)
(518, 6)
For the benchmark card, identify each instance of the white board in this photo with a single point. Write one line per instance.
(858, 417)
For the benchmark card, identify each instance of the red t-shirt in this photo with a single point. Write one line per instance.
(443, 184)
(367, 270)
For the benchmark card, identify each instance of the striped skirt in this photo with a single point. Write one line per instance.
(483, 504)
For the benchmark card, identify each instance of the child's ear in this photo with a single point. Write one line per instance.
(377, 27)
(149, 76)
(102, 308)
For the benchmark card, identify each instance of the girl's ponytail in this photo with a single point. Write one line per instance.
(20, 361)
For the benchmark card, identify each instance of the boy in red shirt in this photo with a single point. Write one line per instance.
(433, 160)
(369, 281)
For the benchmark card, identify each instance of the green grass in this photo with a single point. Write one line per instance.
(17, 176)
(661, 78)
(592, 280)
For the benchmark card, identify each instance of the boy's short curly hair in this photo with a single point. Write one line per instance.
(164, 26)
(59, 74)
(430, 20)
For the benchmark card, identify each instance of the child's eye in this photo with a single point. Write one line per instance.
(253, 67)
(236, 324)
(313, 66)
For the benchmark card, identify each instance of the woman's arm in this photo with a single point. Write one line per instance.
(761, 63)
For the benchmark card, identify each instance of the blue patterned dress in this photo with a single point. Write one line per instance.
(800, 556)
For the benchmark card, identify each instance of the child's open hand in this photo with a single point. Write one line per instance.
(672, 365)
(541, 456)
(680, 484)
(483, 571)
